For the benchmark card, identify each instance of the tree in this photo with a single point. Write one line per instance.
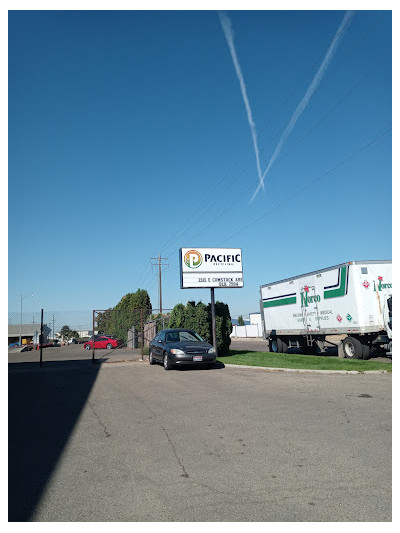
(162, 320)
(103, 321)
(198, 318)
(177, 318)
(202, 321)
(240, 321)
(132, 310)
(66, 332)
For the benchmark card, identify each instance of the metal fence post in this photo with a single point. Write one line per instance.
(93, 338)
(41, 338)
(141, 320)
(213, 322)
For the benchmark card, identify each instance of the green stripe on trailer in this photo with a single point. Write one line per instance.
(338, 291)
(282, 301)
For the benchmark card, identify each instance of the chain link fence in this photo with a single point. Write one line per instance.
(129, 329)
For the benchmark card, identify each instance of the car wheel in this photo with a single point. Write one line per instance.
(109, 346)
(167, 364)
(151, 360)
(88, 347)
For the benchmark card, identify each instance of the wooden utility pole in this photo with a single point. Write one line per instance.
(160, 264)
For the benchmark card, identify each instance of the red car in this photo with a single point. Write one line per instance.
(101, 342)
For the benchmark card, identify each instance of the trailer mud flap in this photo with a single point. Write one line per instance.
(340, 350)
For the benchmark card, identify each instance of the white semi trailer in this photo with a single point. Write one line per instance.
(352, 300)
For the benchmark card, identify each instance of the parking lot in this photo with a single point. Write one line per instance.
(131, 442)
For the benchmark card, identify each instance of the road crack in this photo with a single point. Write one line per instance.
(107, 433)
(185, 474)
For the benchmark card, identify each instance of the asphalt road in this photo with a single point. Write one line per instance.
(132, 442)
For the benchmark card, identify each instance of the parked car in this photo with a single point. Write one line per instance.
(179, 347)
(102, 342)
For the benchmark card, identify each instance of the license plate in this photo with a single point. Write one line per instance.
(197, 358)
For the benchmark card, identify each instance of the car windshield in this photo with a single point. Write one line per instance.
(183, 336)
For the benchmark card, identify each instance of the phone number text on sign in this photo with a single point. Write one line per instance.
(212, 281)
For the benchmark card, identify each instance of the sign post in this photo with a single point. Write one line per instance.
(210, 268)
(213, 322)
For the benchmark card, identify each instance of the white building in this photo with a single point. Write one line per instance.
(252, 330)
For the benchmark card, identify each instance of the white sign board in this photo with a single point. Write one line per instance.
(204, 268)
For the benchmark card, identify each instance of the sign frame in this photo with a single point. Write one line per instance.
(224, 266)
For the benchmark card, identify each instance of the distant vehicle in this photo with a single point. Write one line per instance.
(179, 347)
(102, 342)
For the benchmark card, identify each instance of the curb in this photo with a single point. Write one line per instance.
(303, 370)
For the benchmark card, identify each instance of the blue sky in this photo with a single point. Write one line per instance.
(129, 138)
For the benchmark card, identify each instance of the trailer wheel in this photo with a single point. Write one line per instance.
(366, 351)
(273, 345)
(282, 345)
(352, 347)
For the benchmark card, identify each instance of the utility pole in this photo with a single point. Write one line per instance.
(160, 264)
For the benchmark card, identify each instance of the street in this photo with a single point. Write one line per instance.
(131, 442)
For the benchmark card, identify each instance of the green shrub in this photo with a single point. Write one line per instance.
(198, 318)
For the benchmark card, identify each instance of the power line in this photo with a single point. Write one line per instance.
(354, 154)
(141, 276)
(244, 191)
(310, 184)
(196, 219)
(273, 115)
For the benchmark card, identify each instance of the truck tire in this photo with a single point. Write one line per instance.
(273, 345)
(366, 351)
(282, 345)
(352, 347)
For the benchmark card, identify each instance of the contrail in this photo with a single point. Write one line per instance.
(308, 95)
(227, 27)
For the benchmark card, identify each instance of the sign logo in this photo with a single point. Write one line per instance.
(339, 318)
(349, 317)
(366, 284)
(193, 259)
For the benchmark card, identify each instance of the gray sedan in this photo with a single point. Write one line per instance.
(179, 347)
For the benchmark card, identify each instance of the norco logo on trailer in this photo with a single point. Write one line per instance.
(306, 299)
(381, 285)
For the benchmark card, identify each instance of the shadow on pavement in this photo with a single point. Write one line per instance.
(188, 368)
(43, 407)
